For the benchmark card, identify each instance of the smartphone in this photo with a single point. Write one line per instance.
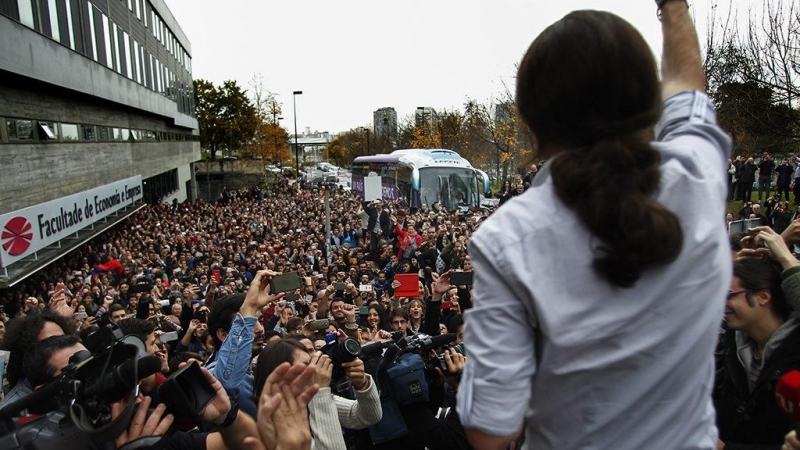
(339, 286)
(201, 316)
(363, 310)
(320, 324)
(81, 316)
(164, 303)
(365, 287)
(291, 297)
(460, 278)
(309, 298)
(286, 282)
(447, 305)
(169, 337)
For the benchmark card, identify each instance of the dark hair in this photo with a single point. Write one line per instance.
(756, 274)
(36, 365)
(401, 311)
(293, 323)
(137, 327)
(222, 314)
(383, 317)
(272, 356)
(114, 308)
(22, 334)
(588, 85)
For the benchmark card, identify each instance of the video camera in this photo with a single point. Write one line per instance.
(76, 406)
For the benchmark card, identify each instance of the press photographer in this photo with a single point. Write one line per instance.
(89, 399)
(415, 374)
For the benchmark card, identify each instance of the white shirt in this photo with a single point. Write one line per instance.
(590, 365)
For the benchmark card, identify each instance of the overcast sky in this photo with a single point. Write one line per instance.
(351, 57)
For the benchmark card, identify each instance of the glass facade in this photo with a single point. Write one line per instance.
(84, 27)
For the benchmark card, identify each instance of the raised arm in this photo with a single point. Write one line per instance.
(681, 65)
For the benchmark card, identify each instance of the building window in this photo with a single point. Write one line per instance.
(55, 32)
(127, 50)
(48, 131)
(69, 132)
(125, 133)
(103, 134)
(88, 133)
(115, 39)
(107, 41)
(26, 13)
(19, 130)
(70, 30)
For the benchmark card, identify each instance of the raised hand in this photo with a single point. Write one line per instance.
(283, 409)
(441, 284)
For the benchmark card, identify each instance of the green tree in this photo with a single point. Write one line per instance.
(226, 117)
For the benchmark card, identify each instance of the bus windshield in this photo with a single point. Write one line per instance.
(452, 187)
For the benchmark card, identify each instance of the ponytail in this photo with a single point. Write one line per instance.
(610, 186)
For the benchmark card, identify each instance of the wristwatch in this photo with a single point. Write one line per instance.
(233, 413)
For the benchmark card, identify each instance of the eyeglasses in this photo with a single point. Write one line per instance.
(735, 293)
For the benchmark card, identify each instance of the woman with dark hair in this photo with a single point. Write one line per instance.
(506, 192)
(377, 318)
(328, 413)
(21, 336)
(612, 268)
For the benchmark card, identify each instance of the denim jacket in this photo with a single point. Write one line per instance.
(231, 366)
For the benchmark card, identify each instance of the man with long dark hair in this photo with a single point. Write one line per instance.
(611, 270)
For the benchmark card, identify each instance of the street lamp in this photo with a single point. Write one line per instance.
(296, 147)
(366, 132)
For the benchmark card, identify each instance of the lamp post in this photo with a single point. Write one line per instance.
(296, 147)
(366, 133)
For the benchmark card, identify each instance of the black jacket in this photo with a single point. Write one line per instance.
(383, 220)
(753, 420)
(747, 173)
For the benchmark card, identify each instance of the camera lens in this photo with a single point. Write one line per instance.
(352, 347)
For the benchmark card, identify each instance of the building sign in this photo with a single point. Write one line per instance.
(29, 230)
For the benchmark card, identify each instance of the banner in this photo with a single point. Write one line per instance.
(31, 229)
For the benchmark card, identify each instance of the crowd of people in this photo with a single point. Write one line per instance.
(602, 285)
(181, 277)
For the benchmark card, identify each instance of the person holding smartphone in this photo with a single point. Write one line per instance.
(611, 270)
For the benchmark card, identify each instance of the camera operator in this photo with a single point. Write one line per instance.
(21, 336)
(233, 324)
(45, 362)
(433, 424)
(328, 412)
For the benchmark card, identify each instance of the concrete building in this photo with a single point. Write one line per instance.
(384, 124)
(96, 119)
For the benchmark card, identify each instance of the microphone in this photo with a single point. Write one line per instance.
(787, 394)
(371, 350)
(117, 384)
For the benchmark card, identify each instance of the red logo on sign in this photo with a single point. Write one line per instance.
(17, 236)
